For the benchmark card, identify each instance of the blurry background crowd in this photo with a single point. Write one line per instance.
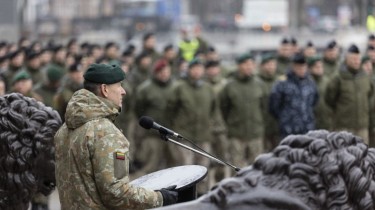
(228, 74)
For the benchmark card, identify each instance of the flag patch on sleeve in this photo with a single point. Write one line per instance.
(120, 155)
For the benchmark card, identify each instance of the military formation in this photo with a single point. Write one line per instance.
(235, 114)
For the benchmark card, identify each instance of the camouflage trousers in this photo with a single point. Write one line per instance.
(183, 156)
(243, 152)
(217, 171)
(150, 154)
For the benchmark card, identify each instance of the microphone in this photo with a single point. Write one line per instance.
(147, 123)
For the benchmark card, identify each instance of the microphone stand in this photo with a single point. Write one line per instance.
(165, 137)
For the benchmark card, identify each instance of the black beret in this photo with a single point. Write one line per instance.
(370, 47)
(141, 56)
(57, 48)
(353, 49)
(147, 36)
(4, 58)
(104, 74)
(244, 57)
(168, 47)
(71, 42)
(195, 62)
(310, 44)
(371, 37)
(212, 64)
(299, 58)
(15, 53)
(332, 44)
(127, 53)
(85, 45)
(293, 41)
(267, 57)
(3, 44)
(75, 67)
(110, 44)
(31, 54)
(211, 49)
(311, 61)
(285, 41)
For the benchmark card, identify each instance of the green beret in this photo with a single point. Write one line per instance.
(195, 62)
(244, 57)
(267, 57)
(311, 61)
(54, 74)
(364, 59)
(104, 74)
(22, 75)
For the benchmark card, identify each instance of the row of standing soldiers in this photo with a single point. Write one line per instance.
(235, 115)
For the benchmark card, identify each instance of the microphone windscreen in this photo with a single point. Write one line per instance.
(146, 122)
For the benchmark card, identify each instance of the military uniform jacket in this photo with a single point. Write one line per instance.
(191, 108)
(323, 113)
(270, 123)
(92, 162)
(292, 103)
(283, 64)
(349, 95)
(151, 100)
(241, 104)
(331, 68)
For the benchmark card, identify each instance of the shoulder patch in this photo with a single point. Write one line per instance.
(120, 155)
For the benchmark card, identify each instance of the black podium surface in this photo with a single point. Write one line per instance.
(185, 177)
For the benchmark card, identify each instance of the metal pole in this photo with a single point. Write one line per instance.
(202, 153)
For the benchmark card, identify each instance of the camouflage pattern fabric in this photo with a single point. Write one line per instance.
(292, 103)
(92, 159)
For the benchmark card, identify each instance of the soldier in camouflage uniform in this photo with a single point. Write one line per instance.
(16, 60)
(92, 161)
(371, 54)
(142, 70)
(220, 142)
(349, 95)
(33, 67)
(283, 58)
(267, 73)
(331, 62)
(241, 104)
(22, 83)
(149, 42)
(73, 82)
(49, 88)
(191, 109)
(323, 113)
(151, 100)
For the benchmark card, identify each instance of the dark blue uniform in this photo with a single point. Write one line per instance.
(292, 103)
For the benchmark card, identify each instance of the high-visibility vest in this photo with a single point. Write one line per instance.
(370, 23)
(188, 49)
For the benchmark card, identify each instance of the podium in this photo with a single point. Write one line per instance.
(184, 177)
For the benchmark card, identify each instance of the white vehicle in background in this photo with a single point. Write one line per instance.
(263, 14)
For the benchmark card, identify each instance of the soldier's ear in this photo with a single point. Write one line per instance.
(104, 90)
